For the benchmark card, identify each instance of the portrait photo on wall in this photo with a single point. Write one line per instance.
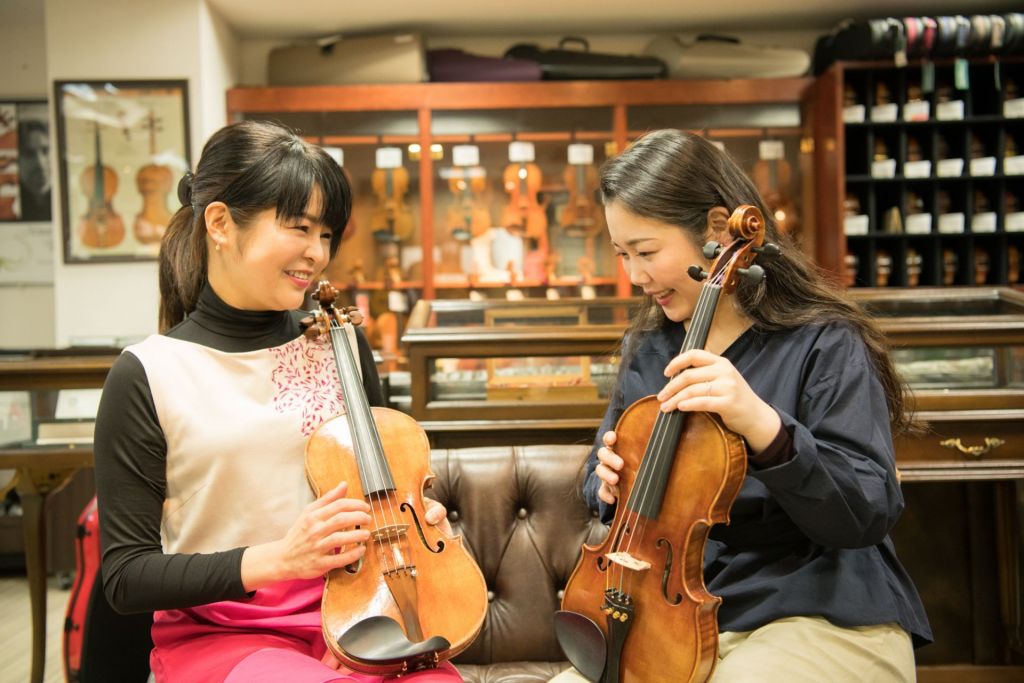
(122, 146)
(25, 176)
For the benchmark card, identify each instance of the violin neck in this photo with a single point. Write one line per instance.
(648, 490)
(374, 473)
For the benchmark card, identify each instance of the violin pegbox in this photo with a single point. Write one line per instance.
(736, 261)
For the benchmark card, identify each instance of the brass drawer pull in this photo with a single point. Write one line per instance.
(976, 451)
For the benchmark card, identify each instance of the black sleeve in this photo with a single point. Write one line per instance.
(130, 454)
(591, 483)
(371, 379)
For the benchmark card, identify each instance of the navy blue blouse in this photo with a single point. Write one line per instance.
(808, 537)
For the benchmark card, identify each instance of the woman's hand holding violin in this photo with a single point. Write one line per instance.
(324, 537)
(704, 382)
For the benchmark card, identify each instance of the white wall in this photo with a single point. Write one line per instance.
(26, 310)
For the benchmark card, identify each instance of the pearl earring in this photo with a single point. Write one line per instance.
(216, 245)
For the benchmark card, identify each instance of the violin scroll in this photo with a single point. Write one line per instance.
(319, 322)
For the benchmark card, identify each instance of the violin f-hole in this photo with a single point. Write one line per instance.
(419, 529)
(667, 572)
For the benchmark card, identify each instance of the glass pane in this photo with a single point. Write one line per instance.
(940, 368)
(533, 378)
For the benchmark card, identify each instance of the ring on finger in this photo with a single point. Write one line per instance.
(708, 392)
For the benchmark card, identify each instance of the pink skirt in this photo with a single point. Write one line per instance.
(272, 637)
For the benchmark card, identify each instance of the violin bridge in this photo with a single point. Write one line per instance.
(624, 559)
(389, 533)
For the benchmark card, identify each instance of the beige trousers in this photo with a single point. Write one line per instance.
(807, 650)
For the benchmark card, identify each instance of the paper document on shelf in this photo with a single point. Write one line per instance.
(77, 404)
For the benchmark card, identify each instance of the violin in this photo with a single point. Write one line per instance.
(636, 605)
(154, 182)
(582, 216)
(416, 597)
(391, 220)
(773, 178)
(468, 216)
(101, 227)
(523, 213)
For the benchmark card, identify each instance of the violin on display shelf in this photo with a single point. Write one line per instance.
(636, 605)
(881, 150)
(416, 597)
(523, 213)
(977, 147)
(851, 205)
(883, 268)
(981, 266)
(468, 214)
(914, 150)
(883, 93)
(913, 267)
(154, 181)
(892, 221)
(772, 176)
(582, 216)
(391, 220)
(101, 227)
(915, 204)
(950, 263)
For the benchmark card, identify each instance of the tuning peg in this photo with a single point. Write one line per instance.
(768, 249)
(711, 250)
(697, 273)
(754, 274)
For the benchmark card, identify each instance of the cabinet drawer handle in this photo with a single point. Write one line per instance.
(976, 451)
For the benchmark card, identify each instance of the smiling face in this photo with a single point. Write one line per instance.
(268, 265)
(656, 256)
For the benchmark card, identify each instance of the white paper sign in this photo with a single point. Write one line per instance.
(74, 404)
(771, 149)
(1014, 109)
(885, 113)
(950, 111)
(950, 168)
(719, 144)
(916, 111)
(514, 294)
(551, 294)
(397, 301)
(336, 153)
(1013, 165)
(951, 223)
(983, 222)
(984, 166)
(1015, 222)
(855, 225)
(580, 154)
(588, 292)
(917, 169)
(520, 152)
(918, 224)
(855, 113)
(466, 155)
(389, 157)
(884, 168)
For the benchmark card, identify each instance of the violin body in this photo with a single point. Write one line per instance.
(677, 609)
(101, 227)
(523, 213)
(391, 220)
(449, 594)
(581, 214)
(154, 182)
(773, 178)
(468, 216)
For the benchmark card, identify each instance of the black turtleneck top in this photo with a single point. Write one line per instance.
(131, 459)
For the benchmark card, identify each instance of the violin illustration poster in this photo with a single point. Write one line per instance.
(121, 146)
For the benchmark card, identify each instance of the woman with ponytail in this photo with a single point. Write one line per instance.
(810, 584)
(207, 519)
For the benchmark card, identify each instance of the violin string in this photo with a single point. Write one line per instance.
(362, 422)
(659, 449)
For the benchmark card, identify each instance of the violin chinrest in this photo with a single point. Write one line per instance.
(380, 640)
(583, 643)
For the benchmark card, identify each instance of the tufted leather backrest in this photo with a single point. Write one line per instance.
(521, 512)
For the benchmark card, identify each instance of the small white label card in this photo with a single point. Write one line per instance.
(951, 223)
(855, 113)
(1014, 109)
(389, 157)
(551, 294)
(466, 155)
(855, 225)
(950, 111)
(398, 302)
(520, 152)
(77, 404)
(983, 222)
(917, 111)
(588, 292)
(1013, 165)
(771, 149)
(1015, 221)
(983, 166)
(514, 294)
(885, 113)
(918, 224)
(719, 144)
(917, 169)
(580, 154)
(883, 168)
(336, 153)
(950, 168)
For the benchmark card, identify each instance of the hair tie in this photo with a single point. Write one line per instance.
(185, 189)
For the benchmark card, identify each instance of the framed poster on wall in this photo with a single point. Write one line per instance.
(121, 147)
(25, 176)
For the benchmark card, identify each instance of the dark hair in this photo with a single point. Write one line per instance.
(676, 178)
(250, 166)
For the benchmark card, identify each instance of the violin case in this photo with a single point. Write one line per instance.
(337, 60)
(451, 65)
(713, 56)
(562, 63)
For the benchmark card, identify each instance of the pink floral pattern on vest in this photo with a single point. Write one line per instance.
(307, 381)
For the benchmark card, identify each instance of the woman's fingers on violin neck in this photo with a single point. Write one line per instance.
(609, 438)
(692, 358)
(607, 475)
(610, 459)
(694, 377)
(608, 494)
